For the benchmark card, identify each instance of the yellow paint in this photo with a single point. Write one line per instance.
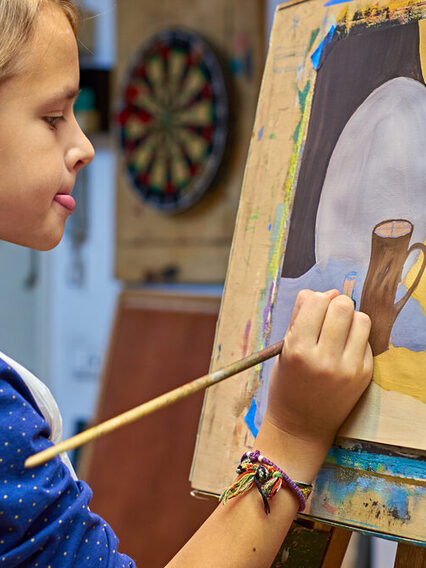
(366, 14)
(401, 370)
(420, 291)
(422, 46)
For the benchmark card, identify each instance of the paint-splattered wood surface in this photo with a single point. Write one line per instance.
(363, 485)
(192, 246)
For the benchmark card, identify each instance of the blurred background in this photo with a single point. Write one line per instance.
(134, 233)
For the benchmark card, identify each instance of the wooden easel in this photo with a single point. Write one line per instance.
(260, 240)
(324, 546)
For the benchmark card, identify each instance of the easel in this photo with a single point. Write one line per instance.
(278, 139)
(324, 546)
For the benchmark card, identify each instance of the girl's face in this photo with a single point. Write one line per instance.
(41, 145)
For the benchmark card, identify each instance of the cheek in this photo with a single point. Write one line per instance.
(26, 196)
(31, 162)
(39, 180)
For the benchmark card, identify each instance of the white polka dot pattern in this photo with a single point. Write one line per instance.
(45, 519)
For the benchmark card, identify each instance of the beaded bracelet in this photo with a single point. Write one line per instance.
(255, 469)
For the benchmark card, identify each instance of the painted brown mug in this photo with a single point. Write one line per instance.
(389, 251)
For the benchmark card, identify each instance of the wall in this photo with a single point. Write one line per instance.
(82, 314)
(19, 316)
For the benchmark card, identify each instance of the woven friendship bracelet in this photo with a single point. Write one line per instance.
(256, 470)
(302, 490)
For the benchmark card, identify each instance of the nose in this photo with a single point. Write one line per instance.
(80, 152)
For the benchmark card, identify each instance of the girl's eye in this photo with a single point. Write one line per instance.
(52, 120)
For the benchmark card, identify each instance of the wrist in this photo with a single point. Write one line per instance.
(301, 459)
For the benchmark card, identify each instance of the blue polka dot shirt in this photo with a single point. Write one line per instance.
(44, 516)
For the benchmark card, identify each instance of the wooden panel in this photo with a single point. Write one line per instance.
(408, 556)
(139, 474)
(303, 547)
(312, 545)
(371, 486)
(196, 243)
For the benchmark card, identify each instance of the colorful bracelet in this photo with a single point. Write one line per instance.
(255, 469)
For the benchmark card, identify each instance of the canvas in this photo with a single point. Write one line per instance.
(358, 221)
(334, 196)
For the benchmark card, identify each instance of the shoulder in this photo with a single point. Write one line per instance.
(13, 390)
(44, 512)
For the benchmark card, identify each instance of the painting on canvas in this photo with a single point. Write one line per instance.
(358, 220)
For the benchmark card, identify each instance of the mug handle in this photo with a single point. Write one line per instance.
(401, 303)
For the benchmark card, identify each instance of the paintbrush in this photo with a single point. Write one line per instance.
(155, 404)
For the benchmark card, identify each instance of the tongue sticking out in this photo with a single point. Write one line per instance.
(66, 201)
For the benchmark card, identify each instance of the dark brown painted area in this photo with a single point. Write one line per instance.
(352, 69)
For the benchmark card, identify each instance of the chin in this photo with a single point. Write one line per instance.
(42, 234)
(48, 237)
(42, 242)
(45, 246)
(46, 243)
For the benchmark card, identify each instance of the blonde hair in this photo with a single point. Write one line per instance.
(17, 21)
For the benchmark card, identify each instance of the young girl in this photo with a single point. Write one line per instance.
(324, 368)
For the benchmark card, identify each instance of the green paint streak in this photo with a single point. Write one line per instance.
(303, 95)
(296, 132)
(282, 213)
(314, 35)
(302, 103)
(272, 136)
(280, 224)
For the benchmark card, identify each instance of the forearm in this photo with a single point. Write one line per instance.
(239, 534)
(325, 365)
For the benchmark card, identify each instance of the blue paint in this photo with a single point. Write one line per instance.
(260, 133)
(398, 502)
(383, 482)
(296, 22)
(270, 227)
(316, 56)
(380, 494)
(332, 2)
(249, 418)
(219, 352)
(378, 463)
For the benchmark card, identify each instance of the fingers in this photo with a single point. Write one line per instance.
(357, 347)
(368, 362)
(308, 315)
(337, 325)
(332, 293)
(296, 308)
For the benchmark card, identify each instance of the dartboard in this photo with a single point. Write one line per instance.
(173, 123)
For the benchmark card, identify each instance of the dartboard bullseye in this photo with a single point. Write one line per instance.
(173, 123)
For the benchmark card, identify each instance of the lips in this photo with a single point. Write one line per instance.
(67, 201)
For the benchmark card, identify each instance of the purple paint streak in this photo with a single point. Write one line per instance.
(246, 337)
(267, 311)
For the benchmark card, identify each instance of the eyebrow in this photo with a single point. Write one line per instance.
(65, 95)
